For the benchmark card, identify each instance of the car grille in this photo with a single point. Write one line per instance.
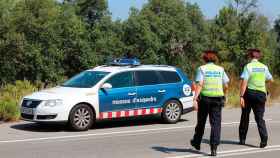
(30, 103)
(27, 116)
(46, 117)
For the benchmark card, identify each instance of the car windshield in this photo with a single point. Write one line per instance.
(86, 79)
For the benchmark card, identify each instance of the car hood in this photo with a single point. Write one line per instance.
(59, 93)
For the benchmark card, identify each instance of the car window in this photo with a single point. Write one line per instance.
(146, 78)
(85, 79)
(169, 76)
(123, 79)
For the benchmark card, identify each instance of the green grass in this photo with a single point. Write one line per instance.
(9, 110)
(274, 89)
(234, 92)
(10, 97)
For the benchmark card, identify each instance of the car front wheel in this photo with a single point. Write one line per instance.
(81, 117)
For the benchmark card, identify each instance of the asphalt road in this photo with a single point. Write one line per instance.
(140, 138)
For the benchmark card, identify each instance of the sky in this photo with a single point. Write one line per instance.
(210, 8)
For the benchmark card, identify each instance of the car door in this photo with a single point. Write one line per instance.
(121, 95)
(150, 93)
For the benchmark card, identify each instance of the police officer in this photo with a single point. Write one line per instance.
(253, 96)
(211, 86)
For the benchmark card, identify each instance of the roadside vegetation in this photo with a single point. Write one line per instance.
(10, 97)
(43, 42)
(234, 93)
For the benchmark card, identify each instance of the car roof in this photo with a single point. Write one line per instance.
(140, 67)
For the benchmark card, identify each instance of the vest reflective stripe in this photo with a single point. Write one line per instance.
(212, 80)
(257, 78)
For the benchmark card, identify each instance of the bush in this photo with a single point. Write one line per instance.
(274, 89)
(234, 92)
(9, 110)
(10, 97)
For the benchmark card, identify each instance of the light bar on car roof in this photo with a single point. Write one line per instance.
(126, 62)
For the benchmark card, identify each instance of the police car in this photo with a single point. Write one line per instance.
(125, 88)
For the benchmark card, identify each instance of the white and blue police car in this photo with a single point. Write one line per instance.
(125, 88)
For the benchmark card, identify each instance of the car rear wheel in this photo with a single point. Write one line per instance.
(81, 117)
(172, 111)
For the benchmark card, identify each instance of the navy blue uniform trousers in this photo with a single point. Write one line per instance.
(253, 100)
(211, 106)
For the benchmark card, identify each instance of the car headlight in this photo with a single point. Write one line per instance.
(53, 103)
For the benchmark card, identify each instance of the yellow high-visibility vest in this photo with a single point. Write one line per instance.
(212, 80)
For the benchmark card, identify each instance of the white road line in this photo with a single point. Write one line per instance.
(250, 152)
(234, 152)
(113, 133)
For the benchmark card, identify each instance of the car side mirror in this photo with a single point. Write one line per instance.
(106, 86)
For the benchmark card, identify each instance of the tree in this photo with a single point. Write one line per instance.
(237, 28)
(7, 59)
(166, 32)
(78, 54)
(49, 40)
(106, 39)
(92, 11)
(243, 7)
(28, 52)
(42, 40)
(277, 28)
(277, 34)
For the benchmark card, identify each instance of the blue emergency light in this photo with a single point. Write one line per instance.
(126, 62)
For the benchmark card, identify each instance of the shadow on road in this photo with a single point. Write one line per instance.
(39, 127)
(126, 122)
(192, 151)
(177, 150)
(115, 123)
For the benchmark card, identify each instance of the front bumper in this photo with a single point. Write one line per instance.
(41, 113)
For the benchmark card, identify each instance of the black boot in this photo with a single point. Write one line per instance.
(263, 144)
(195, 145)
(213, 150)
(242, 142)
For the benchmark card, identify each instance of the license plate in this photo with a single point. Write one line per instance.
(25, 110)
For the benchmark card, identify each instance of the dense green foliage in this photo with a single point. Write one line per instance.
(49, 40)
